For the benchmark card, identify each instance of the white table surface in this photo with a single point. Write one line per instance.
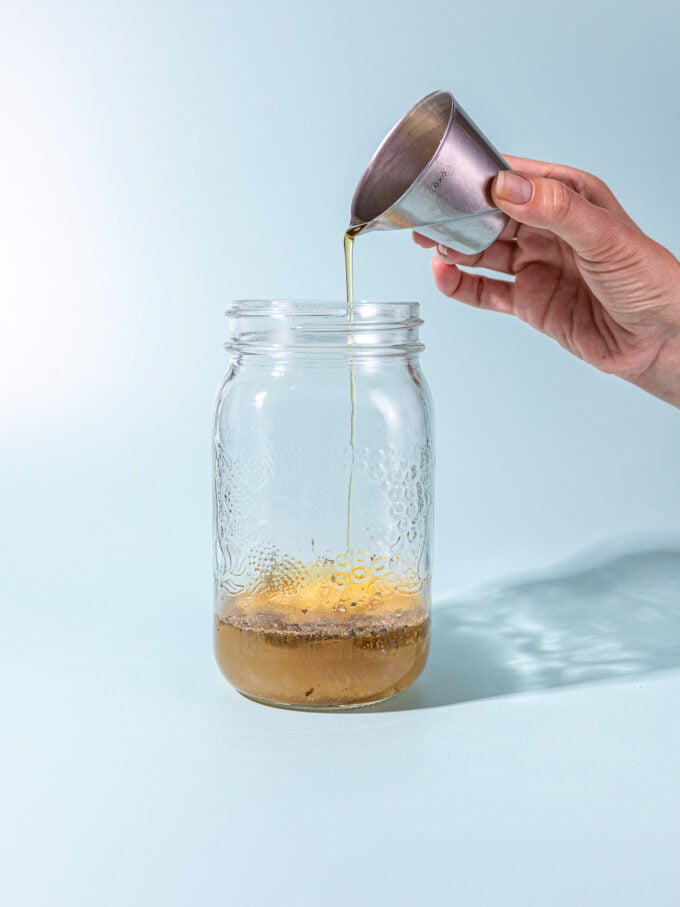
(535, 762)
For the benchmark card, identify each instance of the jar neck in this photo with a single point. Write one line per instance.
(364, 329)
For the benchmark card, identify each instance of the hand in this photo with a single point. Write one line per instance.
(585, 274)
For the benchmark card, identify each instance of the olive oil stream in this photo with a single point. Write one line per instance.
(349, 249)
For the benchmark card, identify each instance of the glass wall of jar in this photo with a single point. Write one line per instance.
(322, 503)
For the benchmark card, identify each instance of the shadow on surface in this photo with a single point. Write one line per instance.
(609, 615)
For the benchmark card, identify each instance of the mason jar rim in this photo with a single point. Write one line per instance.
(312, 324)
(316, 306)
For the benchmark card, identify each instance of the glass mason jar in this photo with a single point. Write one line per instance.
(322, 503)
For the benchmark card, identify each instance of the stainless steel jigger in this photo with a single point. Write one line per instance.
(432, 174)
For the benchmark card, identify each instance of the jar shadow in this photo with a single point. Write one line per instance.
(612, 613)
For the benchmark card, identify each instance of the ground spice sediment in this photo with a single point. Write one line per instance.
(310, 649)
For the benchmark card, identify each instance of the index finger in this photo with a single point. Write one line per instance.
(423, 241)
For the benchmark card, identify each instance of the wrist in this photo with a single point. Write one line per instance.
(662, 377)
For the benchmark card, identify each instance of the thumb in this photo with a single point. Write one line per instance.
(594, 233)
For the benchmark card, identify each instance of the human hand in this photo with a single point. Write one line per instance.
(585, 274)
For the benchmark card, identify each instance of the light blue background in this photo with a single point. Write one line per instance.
(157, 159)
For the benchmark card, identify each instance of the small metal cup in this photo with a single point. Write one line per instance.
(432, 174)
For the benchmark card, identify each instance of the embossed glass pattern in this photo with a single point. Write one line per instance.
(322, 503)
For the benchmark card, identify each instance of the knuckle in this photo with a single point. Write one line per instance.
(559, 199)
(596, 190)
(585, 183)
(589, 180)
(597, 184)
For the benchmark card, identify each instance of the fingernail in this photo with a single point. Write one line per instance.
(442, 250)
(513, 187)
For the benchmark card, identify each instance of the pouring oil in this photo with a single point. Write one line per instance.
(349, 249)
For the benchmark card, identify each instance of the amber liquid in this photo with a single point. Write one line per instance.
(324, 645)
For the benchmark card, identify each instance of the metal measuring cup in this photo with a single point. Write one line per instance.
(432, 174)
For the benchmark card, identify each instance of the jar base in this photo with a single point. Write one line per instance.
(340, 707)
